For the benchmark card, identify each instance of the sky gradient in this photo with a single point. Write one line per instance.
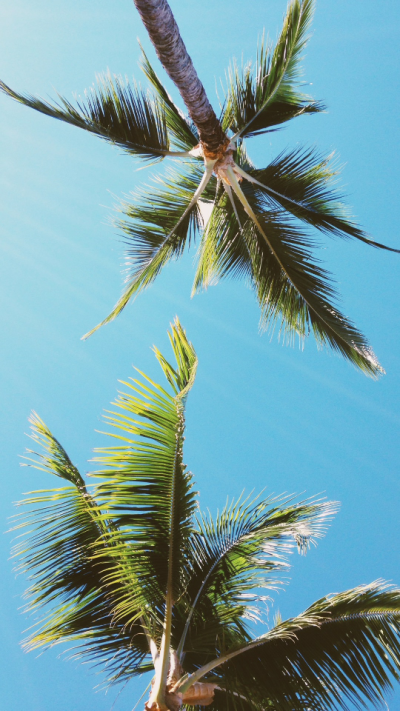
(261, 415)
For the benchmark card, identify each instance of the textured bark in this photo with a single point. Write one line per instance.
(164, 34)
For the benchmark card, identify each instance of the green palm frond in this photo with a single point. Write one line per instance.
(183, 134)
(181, 377)
(114, 110)
(243, 550)
(52, 458)
(242, 237)
(300, 182)
(291, 286)
(147, 489)
(223, 251)
(157, 228)
(58, 538)
(258, 100)
(88, 554)
(343, 649)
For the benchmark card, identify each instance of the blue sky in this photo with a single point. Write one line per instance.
(261, 415)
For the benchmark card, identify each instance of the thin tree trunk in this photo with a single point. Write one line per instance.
(164, 34)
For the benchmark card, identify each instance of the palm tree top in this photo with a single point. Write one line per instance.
(260, 217)
(131, 573)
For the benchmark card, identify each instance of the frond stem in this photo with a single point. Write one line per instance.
(229, 193)
(250, 178)
(188, 680)
(150, 641)
(158, 692)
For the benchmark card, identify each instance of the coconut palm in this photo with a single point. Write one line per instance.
(132, 573)
(259, 218)
(259, 215)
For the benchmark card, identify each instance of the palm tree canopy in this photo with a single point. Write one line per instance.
(131, 572)
(260, 217)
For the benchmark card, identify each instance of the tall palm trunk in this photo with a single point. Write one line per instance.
(164, 34)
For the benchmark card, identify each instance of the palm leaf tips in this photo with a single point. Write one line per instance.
(53, 457)
(182, 377)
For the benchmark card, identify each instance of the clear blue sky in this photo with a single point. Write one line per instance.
(260, 415)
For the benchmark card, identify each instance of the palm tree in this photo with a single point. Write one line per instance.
(255, 226)
(141, 581)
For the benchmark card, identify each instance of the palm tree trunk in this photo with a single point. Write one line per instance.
(164, 34)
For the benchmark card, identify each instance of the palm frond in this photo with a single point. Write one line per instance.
(147, 489)
(223, 251)
(343, 649)
(58, 538)
(115, 110)
(183, 134)
(269, 96)
(300, 182)
(52, 458)
(181, 378)
(159, 225)
(243, 550)
(89, 555)
(276, 257)
(291, 286)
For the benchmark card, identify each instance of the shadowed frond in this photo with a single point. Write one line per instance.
(183, 134)
(343, 649)
(300, 182)
(227, 699)
(159, 225)
(258, 100)
(223, 251)
(243, 238)
(115, 110)
(243, 550)
(58, 537)
(291, 286)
